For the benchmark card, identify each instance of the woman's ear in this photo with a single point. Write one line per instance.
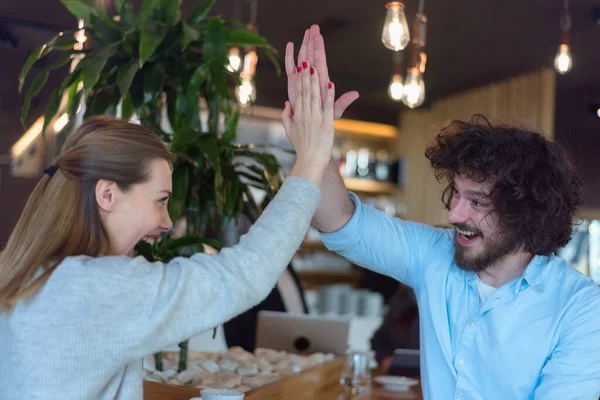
(106, 194)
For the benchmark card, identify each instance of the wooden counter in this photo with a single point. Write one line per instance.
(319, 383)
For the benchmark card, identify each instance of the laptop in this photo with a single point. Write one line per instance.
(405, 362)
(302, 333)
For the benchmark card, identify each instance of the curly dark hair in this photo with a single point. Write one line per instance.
(535, 187)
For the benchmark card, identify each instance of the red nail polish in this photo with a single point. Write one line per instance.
(304, 64)
(312, 70)
(330, 85)
(298, 69)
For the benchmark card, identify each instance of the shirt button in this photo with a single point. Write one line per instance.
(461, 363)
(461, 394)
(472, 324)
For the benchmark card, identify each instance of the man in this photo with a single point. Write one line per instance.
(501, 317)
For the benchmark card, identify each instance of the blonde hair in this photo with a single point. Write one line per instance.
(61, 217)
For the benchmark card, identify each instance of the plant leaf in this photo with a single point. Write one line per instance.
(79, 8)
(94, 63)
(101, 100)
(171, 43)
(192, 100)
(244, 37)
(59, 41)
(184, 137)
(171, 99)
(73, 98)
(232, 198)
(38, 82)
(104, 32)
(214, 43)
(232, 123)
(218, 77)
(267, 160)
(181, 182)
(171, 12)
(148, 6)
(62, 60)
(154, 78)
(119, 4)
(128, 17)
(125, 77)
(144, 249)
(131, 43)
(189, 35)
(184, 241)
(51, 107)
(208, 145)
(200, 11)
(127, 108)
(152, 34)
(219, 192)
(180, 106)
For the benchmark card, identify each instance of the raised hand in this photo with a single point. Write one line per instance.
(312, 51)
(310, 125)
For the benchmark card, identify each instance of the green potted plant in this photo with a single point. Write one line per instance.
(165, 70)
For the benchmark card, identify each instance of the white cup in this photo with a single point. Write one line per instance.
(221, 394)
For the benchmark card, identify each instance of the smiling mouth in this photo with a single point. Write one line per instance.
(467, 237)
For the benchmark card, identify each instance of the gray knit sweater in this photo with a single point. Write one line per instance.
(84, 333)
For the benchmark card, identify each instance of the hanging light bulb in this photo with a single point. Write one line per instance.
(395, 35)
(563, 61)
(413, 94)
(235, 62)
(396, 88)
(414, 86)
(250, 62)
(246, 92)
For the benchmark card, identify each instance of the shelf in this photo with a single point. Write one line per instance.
(370, 186)
(364, 128)
(323, 277)
(342, 126)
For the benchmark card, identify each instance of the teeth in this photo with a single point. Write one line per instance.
(466, 233)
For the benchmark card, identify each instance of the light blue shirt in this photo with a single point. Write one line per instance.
(537, 337)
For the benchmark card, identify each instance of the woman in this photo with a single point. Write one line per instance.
(78, 313)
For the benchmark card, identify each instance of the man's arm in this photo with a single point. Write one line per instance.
(573, 370)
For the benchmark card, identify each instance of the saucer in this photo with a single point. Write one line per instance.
(396, 383)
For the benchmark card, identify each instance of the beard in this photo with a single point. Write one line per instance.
(494, 249)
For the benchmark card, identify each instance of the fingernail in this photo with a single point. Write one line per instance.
(304, 64)
(330, 85)
(298, 69)
(312, 70)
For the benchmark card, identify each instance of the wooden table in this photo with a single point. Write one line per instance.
(319, 383)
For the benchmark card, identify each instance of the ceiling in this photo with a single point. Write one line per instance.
(470, 42)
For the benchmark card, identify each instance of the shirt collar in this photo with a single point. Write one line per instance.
(532, 274)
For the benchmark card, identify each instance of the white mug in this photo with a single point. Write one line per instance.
(221, 394)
